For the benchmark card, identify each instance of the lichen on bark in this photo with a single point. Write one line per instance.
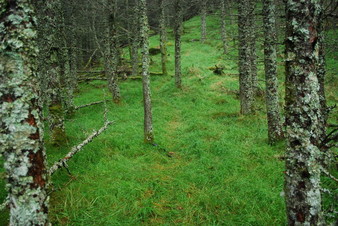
(21, 133)
(302, 177)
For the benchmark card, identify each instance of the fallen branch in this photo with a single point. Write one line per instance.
(63, 162)
(90, 104)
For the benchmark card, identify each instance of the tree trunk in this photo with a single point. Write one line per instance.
(54, 59)
(275, 131)
(223, 27)
(203, 20)
(112, 57)
(178, 33)
(245, 74)
(252, 45)
(321, 73)
(302, 177)
(148, 123)
(163, 38)
(135, 41)
(21, 137)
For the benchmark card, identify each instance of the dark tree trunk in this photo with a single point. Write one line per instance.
(178, 32)
(135, 40)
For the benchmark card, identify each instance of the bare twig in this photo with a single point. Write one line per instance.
(59, 164)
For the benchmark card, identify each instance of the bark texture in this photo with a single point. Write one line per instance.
(21, 137)
(302, 177)
(245, 69)
(148, 118)
(275, 131)
(163, 37)
(178, 32)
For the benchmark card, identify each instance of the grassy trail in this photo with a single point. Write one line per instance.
(210, 165)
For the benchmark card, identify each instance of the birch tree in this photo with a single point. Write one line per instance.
(21, 137)
(302, 177)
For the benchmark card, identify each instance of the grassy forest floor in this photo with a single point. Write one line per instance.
(211, 166)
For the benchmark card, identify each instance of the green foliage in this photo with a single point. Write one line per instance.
(210, 165)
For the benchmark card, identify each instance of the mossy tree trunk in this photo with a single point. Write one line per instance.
(275, 131)
(178, 28)
(21, 137)
(203, 4)
(223, 26)
(303, 113)
(148, 121)
(163, 37)
(245, 69)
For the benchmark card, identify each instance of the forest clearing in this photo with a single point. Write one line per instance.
(207, 162)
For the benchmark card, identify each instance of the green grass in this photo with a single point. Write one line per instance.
(211, 166)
